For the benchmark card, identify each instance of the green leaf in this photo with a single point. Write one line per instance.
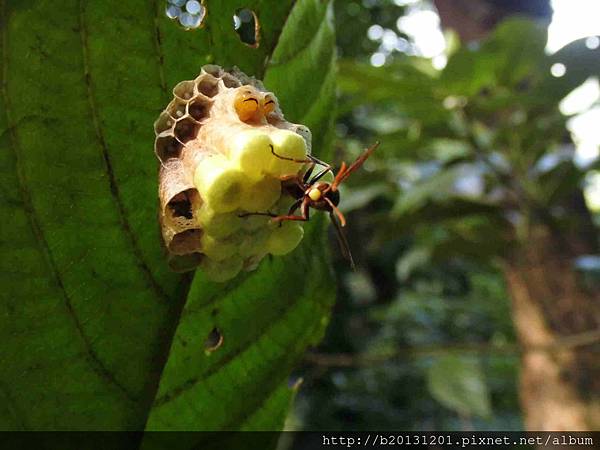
(580, 62)
(414, 259)
(359, 197)
(269, 318)
(409, 89)
(90, 313)
(508, 56)
(437, 188)
(556, 184)
(458, 383)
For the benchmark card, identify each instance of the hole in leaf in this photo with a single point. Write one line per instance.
(214, 312)
(213, 341)
(558, 70)
(189, 13)
(294, 382)
(246, 25)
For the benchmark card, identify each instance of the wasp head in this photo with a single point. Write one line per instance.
(322, 196)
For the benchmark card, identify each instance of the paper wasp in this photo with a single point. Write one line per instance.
(309, 192)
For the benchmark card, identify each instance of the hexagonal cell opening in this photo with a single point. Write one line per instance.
(184, 90)
(247, 27)
(186, 129)
(199, 108)
(176, 108)
(167, 147)
(187, 241)
(230, 81)
(208, 86)
(163, 123)
(182, 204)
(213, 70)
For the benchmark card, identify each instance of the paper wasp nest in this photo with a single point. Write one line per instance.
(215, 141)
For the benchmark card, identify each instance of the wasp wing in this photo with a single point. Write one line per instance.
(341, 237)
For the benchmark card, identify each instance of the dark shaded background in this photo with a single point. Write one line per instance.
(422, 335)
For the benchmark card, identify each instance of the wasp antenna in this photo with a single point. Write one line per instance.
(345, 172)
(286, 158)
(339, 177)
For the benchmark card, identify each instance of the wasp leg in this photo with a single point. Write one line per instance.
(247, 214)
(290, 213)
(294, 207)
(337, 212)
(304, 210)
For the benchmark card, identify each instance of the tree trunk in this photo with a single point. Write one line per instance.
(560, 378)
(560, 374)
(474, 19)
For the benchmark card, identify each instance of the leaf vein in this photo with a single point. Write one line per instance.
(36, 228)
(190, 383)
(159, 51)
(114, 187)
(12, 406)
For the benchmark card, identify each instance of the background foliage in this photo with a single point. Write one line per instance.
(471, 156)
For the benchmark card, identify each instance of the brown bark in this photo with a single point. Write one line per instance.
(560, 389)
(474, 19)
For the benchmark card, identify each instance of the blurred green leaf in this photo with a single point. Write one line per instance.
(554, 184)
(447, 150)
(437, 187)
(414, 259)
(90, 312)
(359, 197)
(478, 236)
(506, 58)
(580, 63)
(458, 383)
(405, 86)
(443, 208)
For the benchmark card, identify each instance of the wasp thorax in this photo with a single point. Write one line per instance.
(217, 142)
(315, 194)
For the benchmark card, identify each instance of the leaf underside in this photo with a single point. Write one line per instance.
(97, 332)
